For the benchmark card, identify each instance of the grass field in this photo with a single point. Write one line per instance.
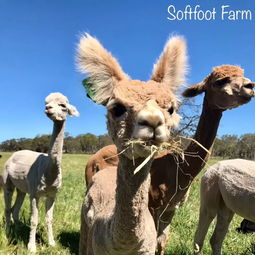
(67, 218)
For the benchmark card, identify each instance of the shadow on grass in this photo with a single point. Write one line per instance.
(177, 253)
(70, 240)
(20, 233)
(250, 250)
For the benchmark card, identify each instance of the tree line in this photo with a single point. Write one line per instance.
(86, 143)
(233, 146)
(226, 146)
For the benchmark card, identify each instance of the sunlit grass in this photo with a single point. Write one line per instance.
(67, 219)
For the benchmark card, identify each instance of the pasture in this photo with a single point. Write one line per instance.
(67, 219)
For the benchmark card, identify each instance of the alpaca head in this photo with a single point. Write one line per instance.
(57, 107)
(225, 88)
(136, 110)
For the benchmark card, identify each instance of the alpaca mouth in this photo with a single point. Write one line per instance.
(144, 143)
(141, 147)
(246, 98)
(53, 116)
(48, 113)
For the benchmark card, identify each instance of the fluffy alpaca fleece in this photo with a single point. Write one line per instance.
(38, 174)
(115, 218)
(173, 53)
(220, 72)
(226, 188)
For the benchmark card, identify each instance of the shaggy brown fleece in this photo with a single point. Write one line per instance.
(223, 71)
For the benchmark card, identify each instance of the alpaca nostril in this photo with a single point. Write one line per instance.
(154, 123)
(160, 122)
(150, 117)
(144, 123)
(48, 107)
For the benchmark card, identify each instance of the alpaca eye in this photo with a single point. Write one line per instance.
(118, 110)
(171, 110)
(62, 105)
(221, 82)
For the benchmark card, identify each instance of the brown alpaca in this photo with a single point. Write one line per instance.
(104, 158)
(225, 88)
(115, 218)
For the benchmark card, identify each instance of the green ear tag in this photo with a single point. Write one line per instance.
(87, 85)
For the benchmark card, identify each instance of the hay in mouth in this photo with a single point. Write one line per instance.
(175, 146)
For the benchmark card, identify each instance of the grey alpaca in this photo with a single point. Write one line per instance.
(38, 174)
(226, 188)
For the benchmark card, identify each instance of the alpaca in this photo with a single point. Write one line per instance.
(225, 88)
(226, 188)
(38, 174)
(115, 218)
(104, 158)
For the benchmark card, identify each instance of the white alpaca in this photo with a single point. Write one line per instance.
(226, 188)
(38, 174)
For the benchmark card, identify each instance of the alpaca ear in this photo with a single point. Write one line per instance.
(194, 90)
(102, 68)
(171, 66)
(72, 111)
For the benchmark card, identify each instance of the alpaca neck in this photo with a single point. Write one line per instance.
(131, 202)
(55, 149)
(205, 135)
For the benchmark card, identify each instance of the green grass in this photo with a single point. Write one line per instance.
(67, 219)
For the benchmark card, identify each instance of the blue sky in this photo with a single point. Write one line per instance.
(37, 52)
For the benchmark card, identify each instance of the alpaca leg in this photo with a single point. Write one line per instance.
(162, 240)
(18, 203)
(33, 224)
(8, 192)
(83, 234)
(163, 231)
(224, 218)
(205, 219)
(49, 216)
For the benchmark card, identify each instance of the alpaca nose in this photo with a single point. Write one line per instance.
(150, 119)
(151, 115)
(48, 107)
(150, 124)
